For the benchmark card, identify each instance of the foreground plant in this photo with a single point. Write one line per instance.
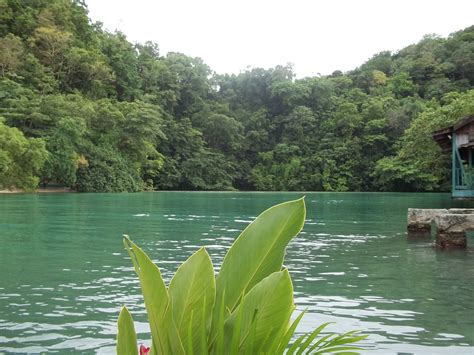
(246, 309)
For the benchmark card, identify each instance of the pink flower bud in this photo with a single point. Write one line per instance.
(144, 350)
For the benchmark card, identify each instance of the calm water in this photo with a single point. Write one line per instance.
(64, 273)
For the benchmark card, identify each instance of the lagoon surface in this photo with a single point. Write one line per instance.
(64, 273)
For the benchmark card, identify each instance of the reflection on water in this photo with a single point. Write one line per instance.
(65, 275)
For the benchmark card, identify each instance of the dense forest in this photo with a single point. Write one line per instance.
(85, 108)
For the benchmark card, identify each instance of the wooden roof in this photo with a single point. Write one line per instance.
(468, 120)
(443, 136)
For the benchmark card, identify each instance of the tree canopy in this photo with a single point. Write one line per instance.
(86, 108)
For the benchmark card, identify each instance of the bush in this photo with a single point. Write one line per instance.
(108, 174)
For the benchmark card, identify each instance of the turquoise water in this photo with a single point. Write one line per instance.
(64, 273)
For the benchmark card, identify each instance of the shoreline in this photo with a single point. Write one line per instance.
(57, 190)
(62, 190)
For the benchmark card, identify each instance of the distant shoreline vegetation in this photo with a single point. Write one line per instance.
(84, 108)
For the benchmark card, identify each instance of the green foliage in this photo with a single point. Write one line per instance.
(401, 85)
(245, 309)
(279, 169)
(11, 51)
(107, 171)
(126, 336)
(122, 59)
(178, 125)
(221, 132)
(192, 292)
(251, 259)
(62, 162)
(21, 159)
(419, 164)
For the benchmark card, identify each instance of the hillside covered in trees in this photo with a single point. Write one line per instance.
(85, 108)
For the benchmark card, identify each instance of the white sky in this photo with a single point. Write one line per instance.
(315, 36)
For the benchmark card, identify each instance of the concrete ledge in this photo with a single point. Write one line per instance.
(451, 225)
(452, 230)
(454, 223)
(419, 220)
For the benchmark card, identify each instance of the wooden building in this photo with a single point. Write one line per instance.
(458, 140)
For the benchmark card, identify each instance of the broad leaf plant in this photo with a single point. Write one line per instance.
(245, 309)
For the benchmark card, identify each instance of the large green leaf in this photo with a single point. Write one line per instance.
(262, 315)
(163, 329)
(192, 291)
(256, 253)
(279, 344)
(126, 336)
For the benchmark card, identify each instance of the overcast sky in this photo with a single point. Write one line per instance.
(315, 36)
